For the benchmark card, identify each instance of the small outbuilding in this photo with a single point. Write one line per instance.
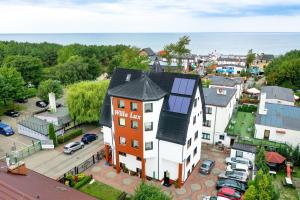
(274, 160)
(244, 151)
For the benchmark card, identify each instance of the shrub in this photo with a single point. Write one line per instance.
(68, 136)
(31, 92)
(247, 108)
(81, 183)
(146, 191)
(81, 176)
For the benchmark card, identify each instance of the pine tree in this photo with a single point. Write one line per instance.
(52, 134)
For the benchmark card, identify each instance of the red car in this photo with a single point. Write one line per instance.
(229, 193)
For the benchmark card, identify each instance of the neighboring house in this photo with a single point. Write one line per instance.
(230, 69)
(152, 123)
(219, 104)
(225, 82)
(37, 128)
(234, 60)
(263, 59)
(279, 95)
(35, 186)
(243, 151)
(278, 122)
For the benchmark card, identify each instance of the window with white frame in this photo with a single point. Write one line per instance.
(122, 140)
(148, 126)
(239, 154)
(188, 160)
(195, 151)
(148, 146)
(135, 144)
(207, 123)
(121, 103)
(208, 110)
(122, 121)
(194, 119)
(206, 136)
(134, 124)
(133, 106)
(189, 142)
(148, 107)
(196, 135)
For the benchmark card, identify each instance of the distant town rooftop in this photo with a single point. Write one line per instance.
(280, 116)
(276, 92)
(225, 81)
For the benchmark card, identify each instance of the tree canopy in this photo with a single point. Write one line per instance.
(250, 58)
(11, 84)
(48, 86)
(29, 67)
(84, 100)
(146, 191)
(260, 160)
(285, 70)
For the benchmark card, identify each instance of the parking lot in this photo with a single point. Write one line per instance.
(196, 186)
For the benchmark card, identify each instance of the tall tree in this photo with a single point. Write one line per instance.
(84, 100)
(146, 191)
(251, 193)
(260, 160)
(250, 58)
(29, 67)
(52, 134)
(49, 86)
(178, 50)
(12, 84)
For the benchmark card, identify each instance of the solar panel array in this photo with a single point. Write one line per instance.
(181, 86)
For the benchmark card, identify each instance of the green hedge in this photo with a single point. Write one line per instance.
(68, 136)
(31, 92)
(81, 183)
(247, 108)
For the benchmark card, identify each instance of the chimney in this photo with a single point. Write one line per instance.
(52, 103)
(262, 104)
(221, 91)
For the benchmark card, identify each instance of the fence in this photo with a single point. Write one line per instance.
(27, 151)
(84, 165)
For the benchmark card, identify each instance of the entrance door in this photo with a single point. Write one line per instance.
(267, 134)
(231, 141)
(166, 178)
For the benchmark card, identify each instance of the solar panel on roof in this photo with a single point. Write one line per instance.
(183, 86)
(178, 104)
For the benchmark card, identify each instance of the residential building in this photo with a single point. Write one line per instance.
(243, 151)
(34, 186)
(225, 82)
(279, 95)
(230, 69)
(219, 105)
(151, 123)
(235, 60)
(278, 122)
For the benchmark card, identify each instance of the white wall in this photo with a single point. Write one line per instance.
(107, 135)
(291, 137)
(33, 134)
(130, 162)
(247, 155)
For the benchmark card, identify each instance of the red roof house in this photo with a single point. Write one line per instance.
(274, 157)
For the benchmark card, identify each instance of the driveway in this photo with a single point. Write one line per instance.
(195, 187)
(54, 163)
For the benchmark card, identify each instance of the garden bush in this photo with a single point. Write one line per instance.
(84, 181)
(68, 136)
(247, 108)
(31, 92)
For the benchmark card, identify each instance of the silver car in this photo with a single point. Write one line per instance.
(234, 175)
(233, 160)
(72, 147)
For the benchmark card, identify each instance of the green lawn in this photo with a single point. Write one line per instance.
(242, 124)
(285, 192)
(101, 191)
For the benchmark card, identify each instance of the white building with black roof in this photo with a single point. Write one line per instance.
(152, 123)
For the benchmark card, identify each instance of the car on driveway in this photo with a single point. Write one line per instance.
(241, 187)
(235, 175)
(6, 130)
(229, 193)
(214, 198)
(12, 113)
(238, 167)
(72, 147)
(88, 137)
(231, 160)
(207, 166)
(41, 104)
(22, 100)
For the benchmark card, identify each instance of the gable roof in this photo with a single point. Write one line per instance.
(213, 98)
(172, 126)
(276, 92)
(142, 88)
(244, 147)
(148, 51)
(274, 157)
(225, 81)
(34, 184)
(280, 116)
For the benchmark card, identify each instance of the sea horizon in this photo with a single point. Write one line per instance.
(201, 42)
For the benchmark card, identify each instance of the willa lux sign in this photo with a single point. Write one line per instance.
(122, 113)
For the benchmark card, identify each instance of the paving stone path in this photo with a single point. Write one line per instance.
(96, 169)
(195, 187)
(111, 175)
(127, 181)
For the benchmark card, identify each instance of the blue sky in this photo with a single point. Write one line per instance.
(67, 16)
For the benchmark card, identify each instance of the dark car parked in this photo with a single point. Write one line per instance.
(22, 100)
(241, 187)
(88, 137)
(12, 113)
(207, 166)
(41, 104)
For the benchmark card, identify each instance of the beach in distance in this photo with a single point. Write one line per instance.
(201, 43)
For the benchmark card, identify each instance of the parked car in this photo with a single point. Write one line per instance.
(238, 167)
(6, 130)
(207, 166)
(22, 100)
(214, 198)
(230, 160)
(241, 187)
(88, 137)
(12, 113)
(229, 193)
(72, 147)
(41, 104)
(235, 175)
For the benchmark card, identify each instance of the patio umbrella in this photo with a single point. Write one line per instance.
(274, 157)
(253, 91)
(296, 97)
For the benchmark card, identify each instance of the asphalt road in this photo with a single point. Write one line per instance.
(54, 163)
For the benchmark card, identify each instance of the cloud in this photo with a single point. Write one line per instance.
(148, 15)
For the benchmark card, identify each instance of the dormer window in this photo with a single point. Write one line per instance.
(128, 77)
